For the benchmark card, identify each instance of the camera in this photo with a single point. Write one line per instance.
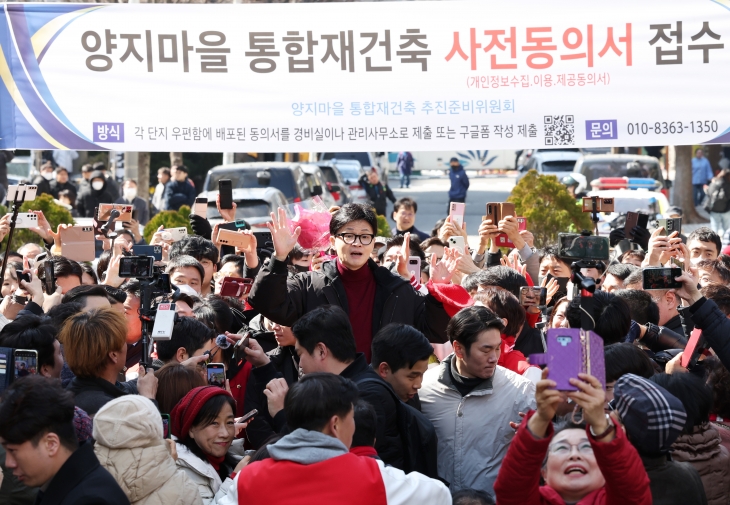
(602, 204)
(136, 266)
(584, 248)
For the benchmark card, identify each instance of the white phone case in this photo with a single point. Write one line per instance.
(26, 220)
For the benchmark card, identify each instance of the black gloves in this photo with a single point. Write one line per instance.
(201, 226)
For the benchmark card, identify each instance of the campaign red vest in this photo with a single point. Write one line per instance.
(347, 479)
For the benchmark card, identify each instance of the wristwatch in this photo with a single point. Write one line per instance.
(608, 430)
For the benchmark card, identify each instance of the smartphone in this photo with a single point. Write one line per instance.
(661, 278)
(165, 425)
(504, 241)
(494, 212)
(457, 242)
(22, 277)
(580, 247)
(456, 211)
(235, 286)
(49, 278)
(507, 209)
(148, 250)
(247, 416)
(414, 267)
(634, 219)
(238, 224)
(216, 375)
(533, 296)
(562, 283)
(225, 189)
(201, 207)
(26, 220)
(238, 352)
(693, 349)
(27, 193)
(263, 240)
(125, 212)
(233, 238)
(77, 243)
(602, 204)
(138, 267)
(174, 234)
(26, 362)
(670, 225)
(134, 214)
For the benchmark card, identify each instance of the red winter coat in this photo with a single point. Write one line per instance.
(518, 482)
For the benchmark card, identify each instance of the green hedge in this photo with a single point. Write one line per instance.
(169, 219)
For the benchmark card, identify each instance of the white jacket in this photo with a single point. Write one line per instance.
(129, 444)
(473, 431)
(203, 475)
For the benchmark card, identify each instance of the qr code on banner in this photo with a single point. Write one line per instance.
(559, 131)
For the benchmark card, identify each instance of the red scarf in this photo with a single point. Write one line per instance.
(216, 462)
(360, 289)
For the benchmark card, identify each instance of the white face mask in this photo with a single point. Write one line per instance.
(97, 185)
(130, 193)
(47, 175)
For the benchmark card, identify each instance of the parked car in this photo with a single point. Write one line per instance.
(317, 184)
(367, 160)
(526, 154)
(20, 169)
(351, 171)
(289, 178)
(254, 205)
(335, 182)
(550, 163)
(595, 166)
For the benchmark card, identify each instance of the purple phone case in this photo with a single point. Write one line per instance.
(566, 352)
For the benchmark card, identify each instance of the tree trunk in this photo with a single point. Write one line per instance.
(143, 176)
(683, 195)
(176, 159)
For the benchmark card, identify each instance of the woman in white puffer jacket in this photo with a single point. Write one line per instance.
(130, 445)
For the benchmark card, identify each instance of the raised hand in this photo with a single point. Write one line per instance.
(547, 400)
(592, 399)
(284, 240)
(5, 225)
(442, 271)
(228, 215)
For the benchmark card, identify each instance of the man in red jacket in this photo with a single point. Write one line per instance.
(314, 463)
(593, 465)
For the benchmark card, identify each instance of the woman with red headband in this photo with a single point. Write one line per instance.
(204, 427)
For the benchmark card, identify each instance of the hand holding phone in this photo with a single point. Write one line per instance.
(225, 190)
(201, 207)
(456, 211)
(216, 375)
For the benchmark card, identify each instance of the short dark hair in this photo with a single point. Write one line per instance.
(68, 194)
(184, 261)
(635, 277)
(505, 305)
(468, 323)
(642, 306)
(58, 314)
(116, 295)
(188, 333)
(472, 497)
(624, 357)
(81, 293)
(175, 380)
(181, 168)
(312, 401)
(215, 313)
(705, 234)
(414, 244)
(611, 315)
(132, 287)
(406, 202)
(552, 252)
(431, 241)
(240, 261)
(718, 294)
(353, 212)
(164, 170)
(622, 270)
(62, 267)
(502, 277)
(88, 269)
(329, 325)
(716, 267)
(32, 332)
(196, 246)
(366, 422)
(695, 395)
(639, 254)
(103, 264)
(437, 227)
(34, 406)
(400, 346)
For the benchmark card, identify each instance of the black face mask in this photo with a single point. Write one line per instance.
(300, 268)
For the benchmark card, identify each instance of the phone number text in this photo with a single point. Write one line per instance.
(664, 127)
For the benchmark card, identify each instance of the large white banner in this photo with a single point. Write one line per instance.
(482, 74)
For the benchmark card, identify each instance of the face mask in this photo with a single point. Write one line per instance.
(301, 268)
(47, 176)
(130, 193)
(97, 185)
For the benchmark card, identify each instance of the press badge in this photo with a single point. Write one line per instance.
(164, 321)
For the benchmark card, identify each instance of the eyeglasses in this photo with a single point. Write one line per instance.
(349, 238)
(564, 448)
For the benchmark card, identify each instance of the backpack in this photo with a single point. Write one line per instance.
(718, 196)
(417, 434)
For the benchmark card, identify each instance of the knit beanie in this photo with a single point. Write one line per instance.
(452, 296)
(184, 413)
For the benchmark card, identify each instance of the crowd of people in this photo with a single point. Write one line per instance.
(348, 377)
